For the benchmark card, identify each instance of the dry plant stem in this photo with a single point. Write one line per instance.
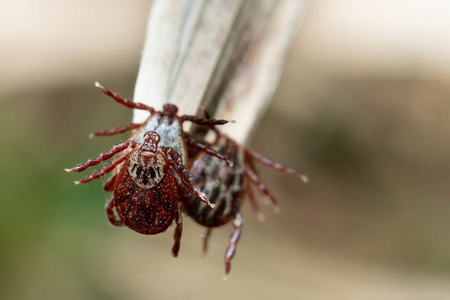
(183, 44)
(253, 80)
(231, 52)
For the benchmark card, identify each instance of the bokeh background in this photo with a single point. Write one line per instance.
(362, 108)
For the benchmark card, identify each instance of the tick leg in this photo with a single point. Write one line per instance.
(111, 215)
(104, 170)
(206, 240)
(185, 176)
(251, 196)
(109, 185)
(234, 238)
(103, 156)
(204, 147)
(126, 102)
(275, 165)
(116, 130)
(202, 121)
(177, 234)
(250, 174)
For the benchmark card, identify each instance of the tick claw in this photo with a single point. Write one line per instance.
(304, 178)
(68, 170)
(224, 278)
(77, 182)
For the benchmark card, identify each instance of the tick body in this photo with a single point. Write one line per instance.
(226, 188)
(141, 197)
(145, 191)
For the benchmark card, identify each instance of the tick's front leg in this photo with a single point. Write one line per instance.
(116, 130)
(104, 170)
(119, 147)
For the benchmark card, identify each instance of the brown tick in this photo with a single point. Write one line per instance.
(226, 187)
(146, 193)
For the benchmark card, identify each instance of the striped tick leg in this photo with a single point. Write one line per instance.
(104, 170)
(177, 234)
(251, 196)
(234, 238)
(117, 130)
(251, 175)
(191, 140)
(274, 165)
(203, 121)
(119, 147)
(183, 173)
(126, 102)
(103, 156)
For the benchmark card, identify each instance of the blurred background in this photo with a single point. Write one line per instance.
(362, 108)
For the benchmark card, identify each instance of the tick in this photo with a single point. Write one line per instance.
(226, 188)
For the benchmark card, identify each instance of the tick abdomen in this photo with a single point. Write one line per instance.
(147, 211)
(222, 185)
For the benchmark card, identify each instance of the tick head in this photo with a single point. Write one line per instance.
(169, 110)
(150, 146)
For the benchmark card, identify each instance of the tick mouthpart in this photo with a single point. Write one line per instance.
(169, 110)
